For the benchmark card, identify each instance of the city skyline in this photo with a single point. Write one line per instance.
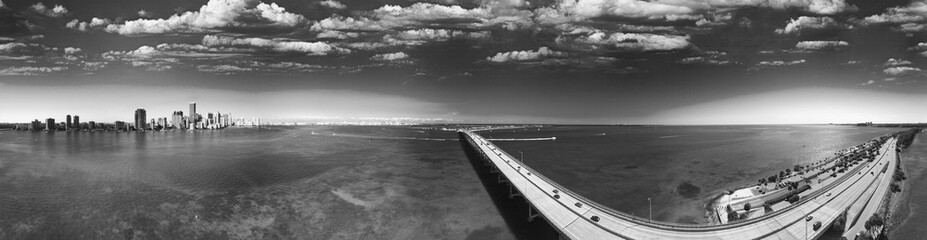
(565, 61)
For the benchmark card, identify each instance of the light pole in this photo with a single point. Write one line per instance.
(650, 208)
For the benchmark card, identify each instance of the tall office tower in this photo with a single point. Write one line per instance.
(152, 124)
(67, 123)
(140, 119)
(210, 119)
(50, 124)
(225, 119)
(177, 120)
(192, 113)
(92, 125)
(36, 125)
(76, 123)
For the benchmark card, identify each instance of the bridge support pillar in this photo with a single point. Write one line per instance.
(502, 180)
(512, 192)
(531, 213)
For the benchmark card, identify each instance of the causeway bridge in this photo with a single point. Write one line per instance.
(854, 195)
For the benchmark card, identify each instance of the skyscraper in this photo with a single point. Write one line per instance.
(177, 120)
(76, 123)
(192, 113)
(50, 124)
(67, 123)
(140, 119)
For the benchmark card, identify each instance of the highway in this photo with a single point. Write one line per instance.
(578, 218)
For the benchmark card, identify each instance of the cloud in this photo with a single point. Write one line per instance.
(94, 24)
(424, 35)
(274, 45)
(390, 56)
(333, 4)
(822, 7)
(775, 63)
(625, 42)
(144, 13)
(429, 14)
(896, 62)
(821, 45)
(913, 12)
(710, 58)
(896, 71)
(35, 50)
(222, 69)
(216, 16)
(581, 10)
(57, 11)
(30, 71)
(805, 23)
(521, 56)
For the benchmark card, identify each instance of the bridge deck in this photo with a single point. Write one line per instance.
(578, 218)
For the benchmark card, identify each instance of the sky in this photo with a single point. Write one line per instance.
(546, 61)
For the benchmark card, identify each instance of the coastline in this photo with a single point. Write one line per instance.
(905, 212)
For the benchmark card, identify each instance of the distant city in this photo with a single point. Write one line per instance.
(177, 122)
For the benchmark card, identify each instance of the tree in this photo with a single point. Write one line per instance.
(772, 178)
(746, 207)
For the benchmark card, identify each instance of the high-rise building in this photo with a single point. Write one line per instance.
(50, 124)
(177, 120)
(210, 119)
(36, 125)
(91, 125)
(192, 113)
(76, 123)
(140, 119)
(67, 123)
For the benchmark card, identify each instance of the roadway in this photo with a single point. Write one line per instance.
(578, 218)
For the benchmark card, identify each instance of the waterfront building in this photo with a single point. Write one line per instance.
(120, 125)
(193, 115)
(140, 119)
(76, 123)
(91, 125)
(36, 125)
(50, 124)
(210, 119)
(67, 123)
(177, 120)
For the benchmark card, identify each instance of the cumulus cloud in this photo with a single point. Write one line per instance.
(896, 71)
(30, 71)
(521, 56)
(821, 45)
(641, 42)
(309, 48)
(823, 7)
(333, 4)
(35, 50)
(214, 16)
(390, 56)
(424, 35)
(419, 14)
(94, 24)
(57, 11)
(579, 10)
(913, 12)
(805, 23)
(896, 62)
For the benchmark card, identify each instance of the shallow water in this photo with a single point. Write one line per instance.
(913, 209)
(679, 168)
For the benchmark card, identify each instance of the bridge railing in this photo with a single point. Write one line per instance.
(672, 225)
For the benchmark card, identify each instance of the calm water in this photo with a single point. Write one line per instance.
(241, 184)
(365, 182)
(679, 168)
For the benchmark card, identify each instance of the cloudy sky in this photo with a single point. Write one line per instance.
(552, 61)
